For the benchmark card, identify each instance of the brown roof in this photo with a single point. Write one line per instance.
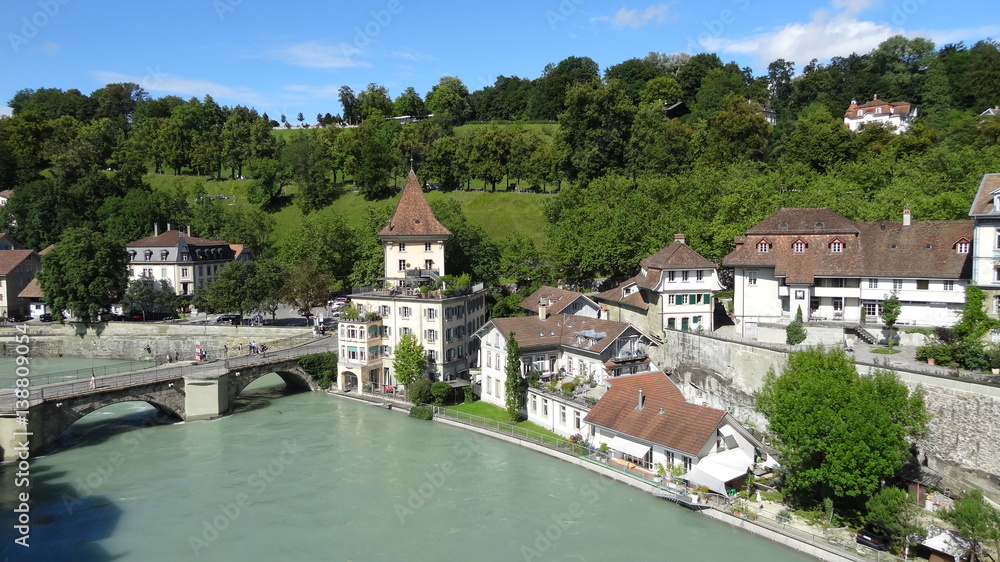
(889, 108)
(530, 331)
(9, 259)
(47, 249)
(877, 249)
(634, 300)
(413, 216)
(173, 238)
(681, 426)
(32, 291)
(558, 299)
(982, 205)
(676, 256)
(6, 193)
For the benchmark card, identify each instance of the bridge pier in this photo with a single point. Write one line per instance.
(208, 396)
(13, 442)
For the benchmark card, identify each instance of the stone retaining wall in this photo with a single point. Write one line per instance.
(142, 341)
(964, 440)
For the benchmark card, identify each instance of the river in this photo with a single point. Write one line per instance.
(307, 476)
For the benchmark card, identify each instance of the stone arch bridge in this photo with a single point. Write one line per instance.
(181, 393)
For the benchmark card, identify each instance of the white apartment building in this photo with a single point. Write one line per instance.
(835, 269)
(413, 299)
(672, 291)
(985, 212)
(180, 261)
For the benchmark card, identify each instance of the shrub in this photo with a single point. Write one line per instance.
(441, 390)
(422, 412)
(568, 387)
(470, 395)
(795, 333)
(798, 315)
(321, 367)
(419, 391)
(784, 516)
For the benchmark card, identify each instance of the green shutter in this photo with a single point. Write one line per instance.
(708, 298)
(679, 299)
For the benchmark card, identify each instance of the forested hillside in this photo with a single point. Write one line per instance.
(628, 173)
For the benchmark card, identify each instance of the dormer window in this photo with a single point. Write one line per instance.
(837, 246)
(763, 246)
(861, 112)
(878, 110)
(963, 246)
(148, 254)
(798, 246)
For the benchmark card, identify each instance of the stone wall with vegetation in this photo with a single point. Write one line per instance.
(964, 440)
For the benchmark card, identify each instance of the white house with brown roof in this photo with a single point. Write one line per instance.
(5, 196)
(560, 346)
(644, 420)
(17, 270)
(672, 291)
(182, 262)
(985, 212)
(561, 301)
(837, 269)
(899, 114)
(443, 320)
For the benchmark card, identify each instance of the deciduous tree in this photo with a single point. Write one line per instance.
(85, 273)
(409, 360)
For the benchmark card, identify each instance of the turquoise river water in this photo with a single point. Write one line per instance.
(308, 476)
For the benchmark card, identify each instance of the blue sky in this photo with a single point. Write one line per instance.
(293, 56)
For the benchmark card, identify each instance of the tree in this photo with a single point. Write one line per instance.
(516, 386)
(594, 129)
(271, 176)
(662, 89)
(895, 512)
(976, 520)
(300, 118)
(891, 308)
(244, 287)
(144, 295)
(374, 99)
(306, 287)
(409, 103)
(449, 96)
(410, 361)
(85, 273)
(795, 333)
(352, 113)
(838, 434)
(736, 131)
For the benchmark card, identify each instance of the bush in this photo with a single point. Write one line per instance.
(441, 390)
(422, 412)
(419, 391)
(784, 516)
(568, 387)
(321, 367)
(795, 333)
(470, 395)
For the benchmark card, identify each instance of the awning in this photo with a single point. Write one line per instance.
(628, 447)
(714, 471)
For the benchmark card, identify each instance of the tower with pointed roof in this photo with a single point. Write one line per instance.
(413, 238)
(413, 299)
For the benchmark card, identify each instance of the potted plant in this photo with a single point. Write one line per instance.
(423, 291)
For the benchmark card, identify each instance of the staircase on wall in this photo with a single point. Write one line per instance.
(866, 336)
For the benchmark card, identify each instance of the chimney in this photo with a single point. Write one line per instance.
(168, 227)
(680, 239)
(906, 216)
(189, 230)
(641, 400)
(543, 308)
(156, 229)
(875, 97)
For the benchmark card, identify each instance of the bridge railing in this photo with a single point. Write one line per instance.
(99, 371)
(289, 348)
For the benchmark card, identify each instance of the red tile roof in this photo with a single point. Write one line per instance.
(413, 216)
(530, 331)
(558, 299)
(676, 256)
(172, 238)
(926, 249)
(9, 259)
(32, 291)
(47, 249)
(681, 426)
(638, 299)
(888, 108)
(982, 205)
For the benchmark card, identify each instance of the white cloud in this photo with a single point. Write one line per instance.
(410, 56)
(6, 111)
(821, 38)
(329, 91)
(636, 18)
(156, 81)
(318, 54)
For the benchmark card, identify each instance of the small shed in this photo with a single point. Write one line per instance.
(947, 546)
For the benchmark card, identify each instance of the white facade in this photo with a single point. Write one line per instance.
(686, 296)
(182, 262)
(559, 414)
(413, 253)
(899, 115)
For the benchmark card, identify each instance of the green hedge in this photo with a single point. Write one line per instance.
(422, 412)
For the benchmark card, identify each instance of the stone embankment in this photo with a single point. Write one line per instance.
(964, 440)
(141, 341)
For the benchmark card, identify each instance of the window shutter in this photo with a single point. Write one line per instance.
(679, 299)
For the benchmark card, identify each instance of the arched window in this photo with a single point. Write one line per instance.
(763, 246)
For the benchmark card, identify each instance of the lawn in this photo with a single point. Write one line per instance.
(489, 411)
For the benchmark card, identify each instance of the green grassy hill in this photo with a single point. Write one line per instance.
(497, 213)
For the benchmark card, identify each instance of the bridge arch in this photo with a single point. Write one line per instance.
(57, 415)
(295, 378)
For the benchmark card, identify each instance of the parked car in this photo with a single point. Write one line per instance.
(229, 319)
(46, 317)
(872, 539)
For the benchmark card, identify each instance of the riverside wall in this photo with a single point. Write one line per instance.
(963, 444)
(141, 341)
